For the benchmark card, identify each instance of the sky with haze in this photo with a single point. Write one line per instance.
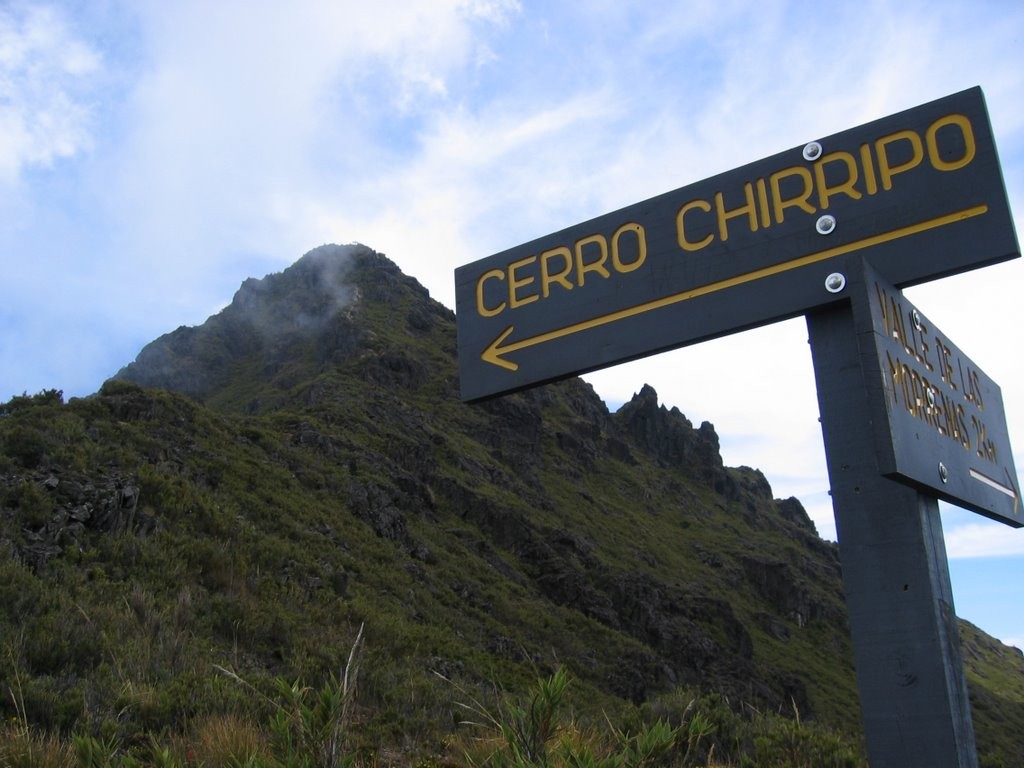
(153, 155)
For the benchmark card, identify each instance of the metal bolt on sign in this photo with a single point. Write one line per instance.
(812, 151)
(835, 282)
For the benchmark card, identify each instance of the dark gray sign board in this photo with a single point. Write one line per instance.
(920, 193)
(940, 423)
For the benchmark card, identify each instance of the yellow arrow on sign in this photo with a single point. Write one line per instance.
(496, 351)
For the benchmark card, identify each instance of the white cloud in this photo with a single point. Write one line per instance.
(494, 11)
(45, 73)
(242, 133)
(983, 539)
(249, 130)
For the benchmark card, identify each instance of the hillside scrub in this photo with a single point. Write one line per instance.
(256, 493)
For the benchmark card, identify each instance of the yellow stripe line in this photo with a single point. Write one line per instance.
(757, 274)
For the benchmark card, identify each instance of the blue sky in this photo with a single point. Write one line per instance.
(153, 155)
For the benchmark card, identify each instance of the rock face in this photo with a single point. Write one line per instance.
(670, 437)
(67, 505)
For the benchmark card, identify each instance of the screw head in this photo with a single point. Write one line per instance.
(943, 473)
(835, 282)
(812, 150)
(826, 224)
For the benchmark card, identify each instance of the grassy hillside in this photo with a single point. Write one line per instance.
(170, 560)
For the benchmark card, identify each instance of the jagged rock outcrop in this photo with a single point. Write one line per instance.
(60, 506)
(670, 437)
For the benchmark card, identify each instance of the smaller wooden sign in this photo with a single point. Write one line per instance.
(941, 424)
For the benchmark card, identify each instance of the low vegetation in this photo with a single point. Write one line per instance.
(297, 726)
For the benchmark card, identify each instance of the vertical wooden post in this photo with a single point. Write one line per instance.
(895, 575)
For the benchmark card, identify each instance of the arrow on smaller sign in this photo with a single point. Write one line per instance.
(1010, 489)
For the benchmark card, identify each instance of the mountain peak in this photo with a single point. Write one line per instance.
(668, 435)
(317, 280)
(284, 328)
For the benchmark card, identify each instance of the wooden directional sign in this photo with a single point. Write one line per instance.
(919, 193)
(940, 424)
(832, 230)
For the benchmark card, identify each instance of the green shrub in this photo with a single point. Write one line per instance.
(791, 743)
(21, 593)
(21, 744)
(25, 401)
(34, 504)
(309, 727)
(539, 734)
(27, 444)
(92, 752)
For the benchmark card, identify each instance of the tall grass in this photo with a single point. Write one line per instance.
(309, 727)
(312, 727)
(540, 733)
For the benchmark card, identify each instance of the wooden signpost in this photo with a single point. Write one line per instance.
(831, 230)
